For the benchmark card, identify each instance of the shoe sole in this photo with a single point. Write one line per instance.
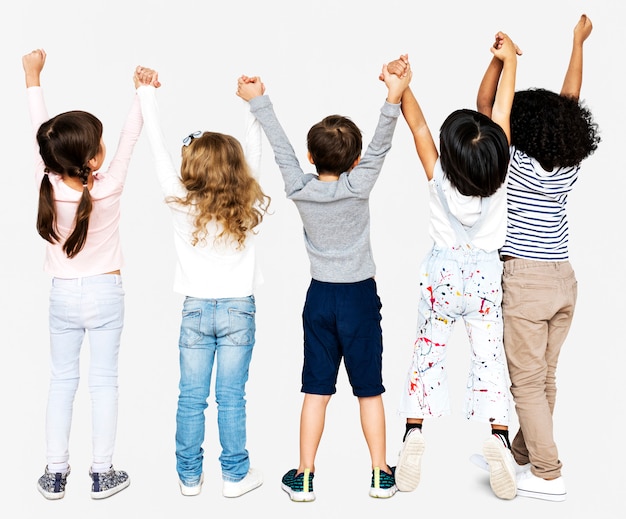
(409, 467)
(298, 497)
(112, 491)
(480, 461)
(383, 493)
(191, 490)
(502, 477)
(541, 495)
(52, 496)
(242, 492)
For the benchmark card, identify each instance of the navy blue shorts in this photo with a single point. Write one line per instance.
(342, 320)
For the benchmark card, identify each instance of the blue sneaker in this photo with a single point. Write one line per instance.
(52, 484)
(299, 486)
(383, 484)
(105, 484)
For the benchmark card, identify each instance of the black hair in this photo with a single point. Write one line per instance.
(474, 153)
(556, 130)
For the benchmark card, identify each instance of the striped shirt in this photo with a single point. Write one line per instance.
(537, 225)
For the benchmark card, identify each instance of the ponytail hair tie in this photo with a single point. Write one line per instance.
(84, 174)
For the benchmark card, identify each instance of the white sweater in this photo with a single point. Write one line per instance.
(207, 270)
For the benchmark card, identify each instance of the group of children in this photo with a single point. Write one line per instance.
(497, 188)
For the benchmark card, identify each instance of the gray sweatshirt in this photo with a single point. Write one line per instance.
(335, 215)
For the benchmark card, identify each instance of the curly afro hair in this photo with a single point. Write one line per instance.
(556, 130)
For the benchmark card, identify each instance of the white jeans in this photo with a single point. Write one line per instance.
(95, 305)
(459, 283)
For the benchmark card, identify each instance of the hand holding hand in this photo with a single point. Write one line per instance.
(146, 76)
(504, 48)
(400, 67)
(250, 87)
(397, 84)
(500, 41)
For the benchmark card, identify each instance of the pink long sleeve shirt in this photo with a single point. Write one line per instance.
(102, 252)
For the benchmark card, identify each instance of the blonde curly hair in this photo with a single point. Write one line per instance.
(220, 187)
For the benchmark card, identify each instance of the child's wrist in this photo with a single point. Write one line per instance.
(32, 76)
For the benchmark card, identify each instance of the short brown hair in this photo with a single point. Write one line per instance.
(334, 144)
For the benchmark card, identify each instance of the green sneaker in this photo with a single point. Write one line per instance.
(299, 486)
(383, 484)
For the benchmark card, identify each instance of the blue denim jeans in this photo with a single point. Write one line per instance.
(93, 305)
(219, 331)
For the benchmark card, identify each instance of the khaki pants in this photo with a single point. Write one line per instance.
(538, 304)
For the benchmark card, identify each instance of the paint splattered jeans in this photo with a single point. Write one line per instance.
(538, 304)
(459, 283)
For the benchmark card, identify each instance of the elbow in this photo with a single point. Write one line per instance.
(484, 106)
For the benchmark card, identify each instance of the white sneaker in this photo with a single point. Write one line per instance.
(529, 485)
(193, 490)
(480, 461)
(253, 479)
(502, 475)
(409, 467)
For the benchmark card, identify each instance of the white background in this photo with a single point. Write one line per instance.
(316, 58)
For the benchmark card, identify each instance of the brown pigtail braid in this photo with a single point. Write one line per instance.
(46, 216)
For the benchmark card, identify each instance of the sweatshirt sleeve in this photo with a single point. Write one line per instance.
(166, 172)
(252, 143)
(284, 154)
(38, 115)
(364, 175)
(118, 168)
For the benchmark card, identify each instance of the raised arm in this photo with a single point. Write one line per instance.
(252, 141)
(412, 112)
(488, 87)
(574, 75)
(33, 63)
(146, 81)
(423, 139)
(506, 52)
(118, 167)
(252, 90)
